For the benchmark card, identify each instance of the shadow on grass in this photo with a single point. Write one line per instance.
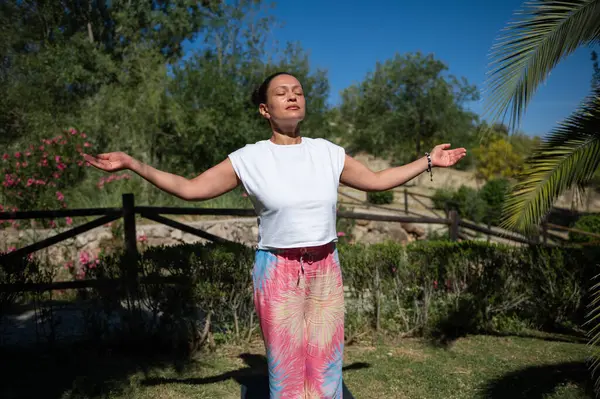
(77, 370)
(536, 382)
(253, 379)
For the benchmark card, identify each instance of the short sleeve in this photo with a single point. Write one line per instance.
(338, 156)
(237, 160)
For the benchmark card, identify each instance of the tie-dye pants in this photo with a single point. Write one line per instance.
(299, 299)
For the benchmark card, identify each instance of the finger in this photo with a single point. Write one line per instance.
(443, 146)
(103, 156)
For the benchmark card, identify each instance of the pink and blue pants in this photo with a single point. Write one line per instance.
(299, 299)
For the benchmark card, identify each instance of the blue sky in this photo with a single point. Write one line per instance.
(347, 39)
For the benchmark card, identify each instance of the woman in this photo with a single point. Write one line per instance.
(292, 182)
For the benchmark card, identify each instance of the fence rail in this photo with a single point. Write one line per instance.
(129, 211)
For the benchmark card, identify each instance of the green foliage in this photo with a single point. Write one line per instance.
(589, 223)
(405, 105)
(494, 194)
(484, 205)
(466, 201)
(497, 159)
(36, 176)
(436, 289)
(380, 197)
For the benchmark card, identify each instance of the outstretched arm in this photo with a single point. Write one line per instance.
(357, 175)
(216, 181)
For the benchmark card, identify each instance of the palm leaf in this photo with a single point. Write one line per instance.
(593, 317)
(569, 156)
(546, 32)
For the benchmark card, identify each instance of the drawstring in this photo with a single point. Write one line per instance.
(301, 270)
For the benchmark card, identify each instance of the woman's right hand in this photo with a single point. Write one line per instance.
(110, 162)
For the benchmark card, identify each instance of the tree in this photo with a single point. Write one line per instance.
(57, 54)
(406, 104)
(497, 159)
(546, 32)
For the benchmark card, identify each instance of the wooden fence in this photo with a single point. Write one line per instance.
(547, 231)
(129, 211)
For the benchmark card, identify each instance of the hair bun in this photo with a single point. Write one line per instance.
(255, 98)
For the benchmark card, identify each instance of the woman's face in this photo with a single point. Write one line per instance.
(285, 101)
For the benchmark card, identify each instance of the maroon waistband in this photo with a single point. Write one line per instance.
(316, 251)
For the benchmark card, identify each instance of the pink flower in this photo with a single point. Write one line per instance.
(79, 163)
(57, 158)
(84, 258)
(83, 135)
(69, 220)
(60, 196)
(56, 175)
(44, 162)
(5, 157)
(86, 144)
(52, 224)
(72, 131)
(435, 284)
(17, 155)
(69, 265)
(142, 238)
(27, 153)
(24, 164)
(61, 166)
(341, 234)
(12, 249)
(30, 182)
(41, 148)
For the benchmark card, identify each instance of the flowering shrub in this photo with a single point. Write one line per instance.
(36, 178)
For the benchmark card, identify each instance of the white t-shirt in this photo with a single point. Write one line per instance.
(293, 189)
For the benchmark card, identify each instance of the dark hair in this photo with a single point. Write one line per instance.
(259, 95)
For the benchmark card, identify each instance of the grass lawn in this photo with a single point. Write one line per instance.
(473, 367)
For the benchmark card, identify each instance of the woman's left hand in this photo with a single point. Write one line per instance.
(443, 157)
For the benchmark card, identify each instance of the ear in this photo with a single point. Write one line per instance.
(264, 111)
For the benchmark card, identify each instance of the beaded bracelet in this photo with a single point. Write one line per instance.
(429, 165)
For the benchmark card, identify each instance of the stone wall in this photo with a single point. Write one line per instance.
(243, 230)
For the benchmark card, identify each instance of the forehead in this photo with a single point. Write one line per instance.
(285, 81)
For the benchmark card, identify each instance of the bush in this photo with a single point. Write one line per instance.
(466, 201)
(380, 197)
(589, 223)
(493, 193)
(440, 290)
(36, 177)
(444, 289)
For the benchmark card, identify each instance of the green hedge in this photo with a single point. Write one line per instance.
(436, 289)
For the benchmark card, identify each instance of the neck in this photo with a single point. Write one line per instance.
(286, 135)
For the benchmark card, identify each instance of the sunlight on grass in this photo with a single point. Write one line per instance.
(474, 367)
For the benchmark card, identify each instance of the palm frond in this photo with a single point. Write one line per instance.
(569, 156)
(546, 32)
(593, 318)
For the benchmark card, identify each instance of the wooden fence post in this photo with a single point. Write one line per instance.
(453, 225)
(131, 257)
(405, 201)
(377, 301)
(129, 228)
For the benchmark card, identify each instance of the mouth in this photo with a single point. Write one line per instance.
(293, 108)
